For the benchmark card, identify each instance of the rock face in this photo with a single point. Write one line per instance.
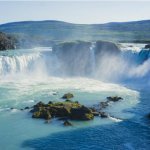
(77, 57)
(72, 56)
(42, 113)
(68, 109)
(7, 42)
(105, 47)
(147, 46)
(144, 54)
(81, 113)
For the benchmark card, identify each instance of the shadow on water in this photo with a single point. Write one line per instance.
(132, 134)
(125, 135)
(143, 107)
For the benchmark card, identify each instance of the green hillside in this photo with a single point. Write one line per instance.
(47, 32)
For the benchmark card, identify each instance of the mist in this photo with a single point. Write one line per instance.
(98, 60)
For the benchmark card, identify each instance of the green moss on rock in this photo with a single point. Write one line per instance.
(69, 109)
(67, 96)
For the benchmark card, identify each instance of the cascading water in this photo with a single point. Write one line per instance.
(92, 57)
(17, 64)
(138, 62)
(43, 62)
(18, 94)
(24, 63)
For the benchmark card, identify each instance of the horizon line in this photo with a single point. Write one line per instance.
(73, 22)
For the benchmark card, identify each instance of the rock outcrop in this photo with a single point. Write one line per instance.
(68, 96)
(103, 114)
(114, 98)
(74, 57)
(144, 55)
(77, 57)
(105, 47)
(7, 42)
(68, 109)
(110, 99)
(81, 113)
(147, 46)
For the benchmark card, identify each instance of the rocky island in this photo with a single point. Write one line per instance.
(70, 110)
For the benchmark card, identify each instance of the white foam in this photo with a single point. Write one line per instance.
(4, 109)
(132, 46)
(82, 84)
(14, 110)
(115, 119)
(29, 101)
(15, 64)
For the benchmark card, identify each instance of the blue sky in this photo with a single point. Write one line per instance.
(75, 12)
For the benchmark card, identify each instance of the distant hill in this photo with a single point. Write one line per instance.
(47, 32)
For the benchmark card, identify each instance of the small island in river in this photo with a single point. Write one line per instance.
(70, 110)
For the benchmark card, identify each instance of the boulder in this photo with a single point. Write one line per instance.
(95, 113)
(67, 100)
(103, 105)
(103, 115)
(27, 108)
(50, 102)
(81, 113)
(114, 98)
(67, 96)
(67, 123)
(59, 111)
(39, 104)
(42, 114)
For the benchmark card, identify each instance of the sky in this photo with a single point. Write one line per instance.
(83, 12)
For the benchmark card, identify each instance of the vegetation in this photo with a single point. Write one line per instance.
(49, 32)
(67, 109)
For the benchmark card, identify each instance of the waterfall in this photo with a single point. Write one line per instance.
(92, 57)
(17, 64)
(43, 63)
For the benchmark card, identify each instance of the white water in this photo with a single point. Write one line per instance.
(28, 76)
(15, 64)
(135, 47)
(92, 55)
(40, 63)
(31, 76)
